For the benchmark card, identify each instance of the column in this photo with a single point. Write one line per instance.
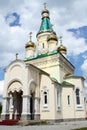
(26, 107)
(5, 109)
(11, 107)
(37, 108)
(16, 113)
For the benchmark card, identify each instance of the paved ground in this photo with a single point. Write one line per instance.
(58, 126)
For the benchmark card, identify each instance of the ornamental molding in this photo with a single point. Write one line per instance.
(12, 87)
(46, 63)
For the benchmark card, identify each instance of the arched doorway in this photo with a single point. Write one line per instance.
(15, 99)
(15, 104)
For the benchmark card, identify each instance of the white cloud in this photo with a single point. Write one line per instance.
(84, 68)
(64, 15)
(75, 46)
(1, 87)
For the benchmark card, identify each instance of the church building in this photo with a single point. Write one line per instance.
(43, 87)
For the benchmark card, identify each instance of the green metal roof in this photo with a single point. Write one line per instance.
(66, 83)
(42, 55)
(54, 79)
(45, 25)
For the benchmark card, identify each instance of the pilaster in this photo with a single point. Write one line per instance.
(26, 107)
(37, 108)
(5, 109)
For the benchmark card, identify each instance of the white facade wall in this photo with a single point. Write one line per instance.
(68, 110)
(47, 112)
(78, 82)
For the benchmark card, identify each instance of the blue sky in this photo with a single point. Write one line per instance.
(80, 32)
(18, 18)
(1, 73)
(13, 19)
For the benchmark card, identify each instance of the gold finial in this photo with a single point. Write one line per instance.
(30, 34)
(45, 5)
(16, 56)
(61, 39)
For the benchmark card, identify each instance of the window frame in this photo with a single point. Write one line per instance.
(79, 106)
(68, 99)
(78, 98)
(45, 98)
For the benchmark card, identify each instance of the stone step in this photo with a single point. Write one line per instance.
(31, 122)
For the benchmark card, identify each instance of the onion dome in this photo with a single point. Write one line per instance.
(30, 44)
(52, 36)
(62, 48)
(45, 12)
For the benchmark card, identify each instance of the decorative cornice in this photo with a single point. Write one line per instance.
(53, 60)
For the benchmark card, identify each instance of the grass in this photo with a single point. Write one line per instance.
(81, 129)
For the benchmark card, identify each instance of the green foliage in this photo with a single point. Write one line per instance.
(81, 129)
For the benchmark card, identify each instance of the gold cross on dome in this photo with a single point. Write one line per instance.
(61, 39)
(45, 5)
(16, 56)
(30, 34)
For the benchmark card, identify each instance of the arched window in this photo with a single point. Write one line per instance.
(45, 97)
(77, 96)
